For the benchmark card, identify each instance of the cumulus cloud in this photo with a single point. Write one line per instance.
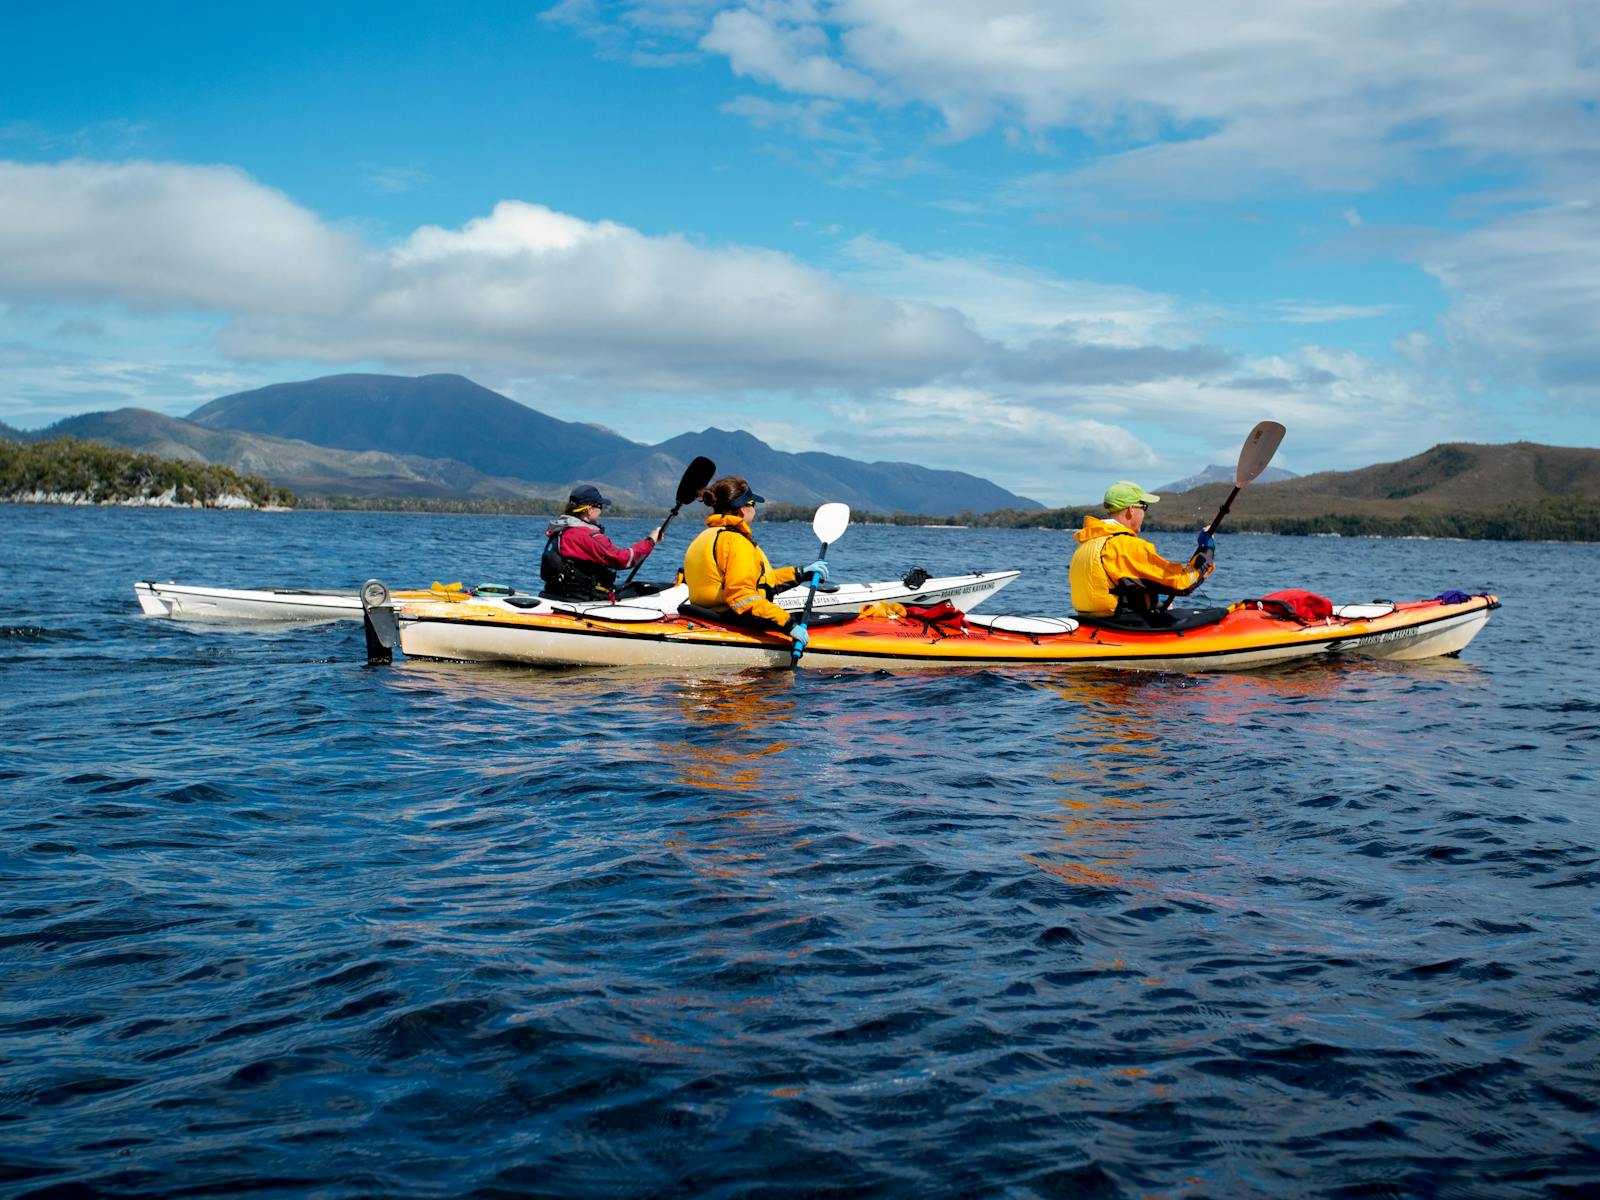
(1525, 290)
(1322, 94)
(1027, 444)
(522, 286)
(782, 42)
(1200, 103)
(1015, 304)
(167, 236)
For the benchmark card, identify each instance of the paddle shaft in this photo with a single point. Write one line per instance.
(805, 613)
(1194, 558)
(640, 563)
(695, 476)
(1257, 452)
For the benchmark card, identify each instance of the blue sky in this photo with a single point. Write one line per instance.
(1049, 243)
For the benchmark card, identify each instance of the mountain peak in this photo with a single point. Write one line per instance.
(460, 426)
(1216, 473)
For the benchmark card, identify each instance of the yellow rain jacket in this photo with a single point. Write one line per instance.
(725, 569)
(1108, 552)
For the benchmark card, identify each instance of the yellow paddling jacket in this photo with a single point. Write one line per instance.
(1108, 552)
(725, 569)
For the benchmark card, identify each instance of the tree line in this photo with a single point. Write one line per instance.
(105, 475)
(1560, 519)
(496, 506)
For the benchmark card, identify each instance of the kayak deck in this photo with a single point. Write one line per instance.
(194, 603)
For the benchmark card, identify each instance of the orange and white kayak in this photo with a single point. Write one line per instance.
(1245, 638)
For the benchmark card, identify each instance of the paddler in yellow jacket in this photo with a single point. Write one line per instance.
(1110, 550)
(728, 573)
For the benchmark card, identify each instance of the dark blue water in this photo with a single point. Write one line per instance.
(273, 921)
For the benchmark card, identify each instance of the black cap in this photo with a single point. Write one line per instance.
(749, 497)
(584, 495)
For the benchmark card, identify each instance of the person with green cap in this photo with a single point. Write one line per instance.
(1115, 571)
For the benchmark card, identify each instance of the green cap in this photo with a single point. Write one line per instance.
(1122, 493)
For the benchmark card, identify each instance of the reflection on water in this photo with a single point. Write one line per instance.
(735, 731)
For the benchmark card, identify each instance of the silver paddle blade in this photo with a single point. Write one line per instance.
(1258, 450)
(830, 522)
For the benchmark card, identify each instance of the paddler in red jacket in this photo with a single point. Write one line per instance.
(1110, 550)
(579, 561)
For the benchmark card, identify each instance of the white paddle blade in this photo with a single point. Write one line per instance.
(830, 522)
(1258, 450)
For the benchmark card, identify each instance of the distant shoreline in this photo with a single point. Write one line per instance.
(68, 471)
(864, 520)
(168, 499)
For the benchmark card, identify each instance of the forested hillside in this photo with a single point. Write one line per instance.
(69, 471)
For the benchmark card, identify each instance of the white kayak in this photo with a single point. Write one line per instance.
(186, 602)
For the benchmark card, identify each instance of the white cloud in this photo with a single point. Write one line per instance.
(1030, 446)
(523, 286)
(1016, 304)
(782, 43)
(167, 236)
(391, 181)
(810, 120)
(1525, 290)
(1325, 94)
(1314, 312)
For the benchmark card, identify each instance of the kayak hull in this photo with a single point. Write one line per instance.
(1244, 641)
(187, 602)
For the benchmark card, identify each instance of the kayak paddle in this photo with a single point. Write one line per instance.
(829, 525)
(1254, 456)
(695, 477)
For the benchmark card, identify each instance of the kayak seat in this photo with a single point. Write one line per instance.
(739, 621)
(1174, 620)
(639, 587)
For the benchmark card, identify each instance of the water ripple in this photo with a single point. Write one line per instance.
(276, 922)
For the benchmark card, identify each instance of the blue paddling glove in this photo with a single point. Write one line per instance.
(1204, 541)
(801, 636)
(819, 569)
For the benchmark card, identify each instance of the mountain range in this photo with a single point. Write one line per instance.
(1453, 477)
(439, 436)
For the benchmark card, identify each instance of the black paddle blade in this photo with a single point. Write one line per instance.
(695, 477)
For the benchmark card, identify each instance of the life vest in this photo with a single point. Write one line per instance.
(725, 569)
(1093, 589)
(1109, 552)
(573, 578)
